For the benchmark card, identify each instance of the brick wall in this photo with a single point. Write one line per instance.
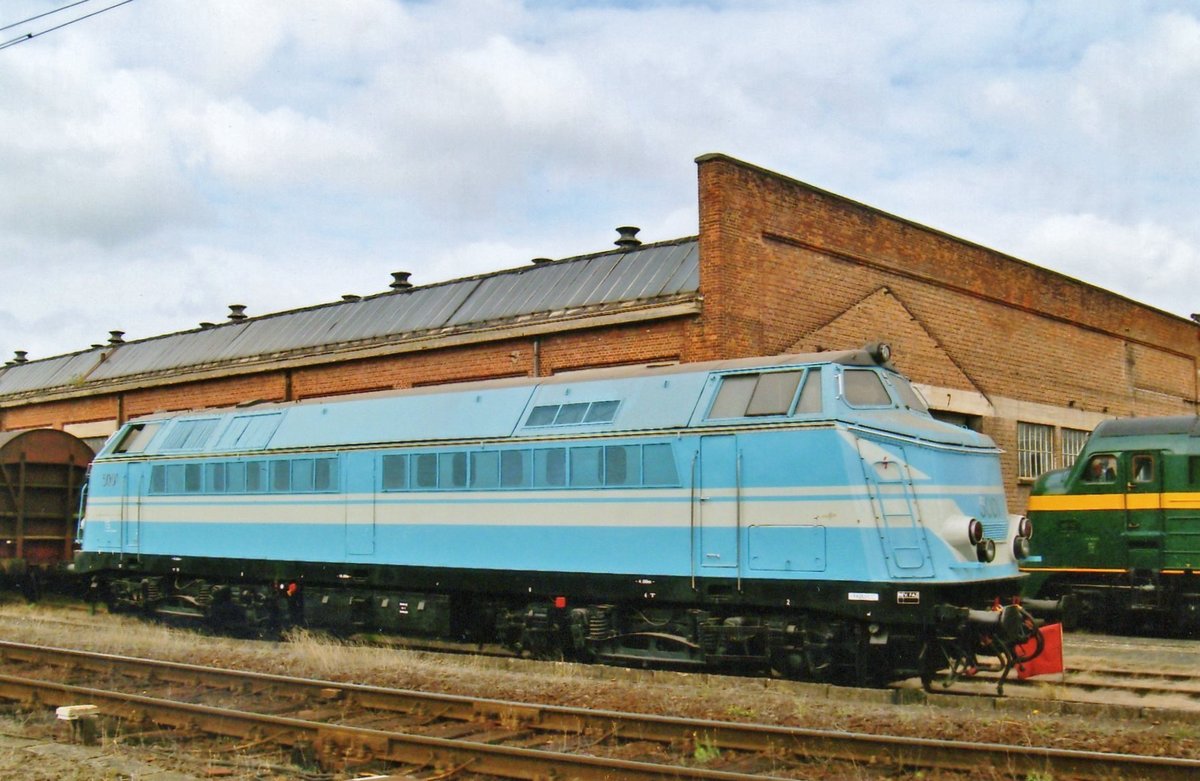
(60, 413)
(268, 386)
(780, 259)
(786, 266)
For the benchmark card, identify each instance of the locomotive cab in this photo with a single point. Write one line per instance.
(1121, 528)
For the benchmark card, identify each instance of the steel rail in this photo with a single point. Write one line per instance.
(341, 744)
(800, 742)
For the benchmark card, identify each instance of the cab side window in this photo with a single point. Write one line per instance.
(1143, 469)
(1100, 469)
(863, 388)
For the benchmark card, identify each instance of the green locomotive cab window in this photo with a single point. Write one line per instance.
(1143, 469)
(1101, 469)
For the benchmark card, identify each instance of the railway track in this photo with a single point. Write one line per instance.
(346, 725)
(1091, 681)
(1095, 679)
(1093, 684)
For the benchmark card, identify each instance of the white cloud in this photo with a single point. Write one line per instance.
(182, 156)
(1143, 261)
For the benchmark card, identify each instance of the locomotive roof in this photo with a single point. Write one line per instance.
(620, 399)
(1137, 427)
(859, 357)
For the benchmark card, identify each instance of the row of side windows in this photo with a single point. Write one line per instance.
(295, 475)
(551, 467)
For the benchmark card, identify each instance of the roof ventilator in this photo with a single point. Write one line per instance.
(628, 239)
(116, 337)
(400, 280)
(237, 312)
(541, 261)
(19, 356)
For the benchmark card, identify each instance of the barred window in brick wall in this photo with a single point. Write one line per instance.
(1073, 441)
(1035, 449)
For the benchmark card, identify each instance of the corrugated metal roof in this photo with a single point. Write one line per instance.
(50, 373)
(162, 353)
(616, 278)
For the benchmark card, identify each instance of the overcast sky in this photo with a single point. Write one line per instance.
(164, 159)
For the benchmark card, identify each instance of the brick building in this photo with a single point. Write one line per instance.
(1031, 357)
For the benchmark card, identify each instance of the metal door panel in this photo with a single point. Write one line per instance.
(718, 499)
(889, 484)
(131, 511)
(359, 482)
(1143, 509)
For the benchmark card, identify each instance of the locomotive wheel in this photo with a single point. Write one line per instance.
(832, 654)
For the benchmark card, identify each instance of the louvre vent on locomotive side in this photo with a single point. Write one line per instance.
(798, 514)
(1120, 529)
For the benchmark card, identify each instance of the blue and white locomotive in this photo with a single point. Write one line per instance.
(800, 514)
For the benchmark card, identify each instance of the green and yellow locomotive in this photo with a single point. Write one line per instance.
(1120, 530)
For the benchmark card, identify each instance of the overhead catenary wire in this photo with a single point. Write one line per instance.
(43, 15)
(30, 36)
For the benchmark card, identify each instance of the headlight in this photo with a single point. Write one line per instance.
(986, 551)
(974, 531)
